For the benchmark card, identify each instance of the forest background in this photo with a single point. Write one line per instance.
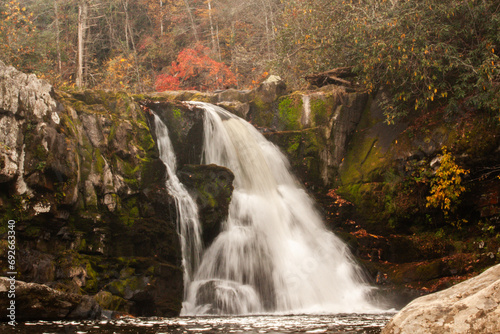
(428, 53)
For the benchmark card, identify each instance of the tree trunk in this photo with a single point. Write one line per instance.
(125, 7)
(332, 77)
(192, 20)
(161, 17)
(214, 48)
(58, 32)
(82, 29)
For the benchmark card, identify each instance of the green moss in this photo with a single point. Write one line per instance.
(262, 113)
(359, 160)
(85, 153)
(33, 230)
(40, 152)
(294, 144)
(129, 211)
(177, 114)
(319, 111)
(110, 302)
(92, 279)
(120, 287)
(112, 132)
(203, 97)
(99, 161)
(290, 112)
(364, 161)
(134, 212)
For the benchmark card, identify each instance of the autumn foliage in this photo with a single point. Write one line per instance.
(446, 185)
(194, 69)
(16, 31)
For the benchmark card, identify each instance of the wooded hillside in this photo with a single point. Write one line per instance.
(428, 53)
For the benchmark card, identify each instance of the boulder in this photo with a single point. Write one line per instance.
(272, 88)
(37, 301)
(212, 187)
(472, 306)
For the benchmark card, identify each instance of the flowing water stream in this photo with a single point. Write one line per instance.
(338, 323)
(189, 228)
(274, 254)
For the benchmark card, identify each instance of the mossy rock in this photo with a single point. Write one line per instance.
(108, 301)
(261, 113)
(290, 112)
(212, 187)
(303, 149)
(127, 287)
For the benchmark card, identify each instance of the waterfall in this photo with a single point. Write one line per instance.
(189, 228)
(274, 253)
(306, 110)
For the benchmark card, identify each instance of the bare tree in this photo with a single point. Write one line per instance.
(83, 11)
(193, 25)
(58, 39)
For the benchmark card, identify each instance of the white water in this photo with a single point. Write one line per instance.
(188, 223)
(274, 254)
(306, 110)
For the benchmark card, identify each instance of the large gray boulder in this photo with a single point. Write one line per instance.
(472, 306)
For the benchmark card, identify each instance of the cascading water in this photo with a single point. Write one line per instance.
(306, 110)
(189, 228)
(274, 253)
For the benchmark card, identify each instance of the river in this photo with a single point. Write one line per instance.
(338, 323)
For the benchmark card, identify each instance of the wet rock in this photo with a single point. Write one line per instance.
(212, 187)
(238, 108)
(185, 128)
(37, 266)
(472, 306)
(227, 297)
(37, 301)
(110, 302)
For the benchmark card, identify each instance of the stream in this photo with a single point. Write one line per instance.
(337, 323)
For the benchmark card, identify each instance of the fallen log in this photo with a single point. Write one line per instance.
(334, 76)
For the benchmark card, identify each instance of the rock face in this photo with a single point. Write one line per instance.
(81, 176)
(472, 306)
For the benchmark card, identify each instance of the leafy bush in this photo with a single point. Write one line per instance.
(446, 184)
(194, 69)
